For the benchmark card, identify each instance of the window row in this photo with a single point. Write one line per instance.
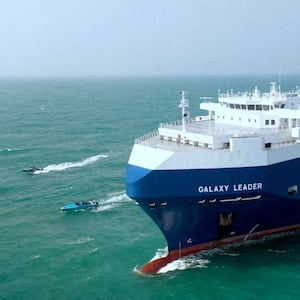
(258, 107)
(267, 122)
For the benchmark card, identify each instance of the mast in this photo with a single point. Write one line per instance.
(184, 105)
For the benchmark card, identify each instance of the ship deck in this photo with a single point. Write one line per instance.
(208, 134)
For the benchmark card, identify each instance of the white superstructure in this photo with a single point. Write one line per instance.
(248, 128)
(274, 116)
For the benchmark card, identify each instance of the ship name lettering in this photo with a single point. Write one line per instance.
(213, 188)
(247, 186)
(221, 188)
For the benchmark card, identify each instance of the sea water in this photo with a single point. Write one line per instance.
(80, 131)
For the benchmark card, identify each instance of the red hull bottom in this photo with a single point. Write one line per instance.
(152, 267)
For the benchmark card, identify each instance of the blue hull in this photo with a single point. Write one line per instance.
(199, 209)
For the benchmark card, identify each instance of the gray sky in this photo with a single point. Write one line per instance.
(149, 37)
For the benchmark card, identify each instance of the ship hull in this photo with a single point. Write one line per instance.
(198, 209)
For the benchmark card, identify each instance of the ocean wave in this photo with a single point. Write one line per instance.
(35, 257)
(79, 241)
(68, 165)
(10, 150)
(94, 250)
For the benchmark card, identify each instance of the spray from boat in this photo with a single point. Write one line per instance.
(66, 165)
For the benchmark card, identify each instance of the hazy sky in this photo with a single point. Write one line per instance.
(149, 37)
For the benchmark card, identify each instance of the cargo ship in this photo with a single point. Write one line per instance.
(229, 175)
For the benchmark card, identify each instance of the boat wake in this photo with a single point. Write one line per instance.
(68, 165)
(114, 200)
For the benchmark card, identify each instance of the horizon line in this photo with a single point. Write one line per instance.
(79, 76)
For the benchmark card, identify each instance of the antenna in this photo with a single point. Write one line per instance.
(279, 79)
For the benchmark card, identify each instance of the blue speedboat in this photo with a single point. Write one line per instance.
(82, 205)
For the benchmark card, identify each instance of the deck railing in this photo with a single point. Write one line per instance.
(176, 123)
(289, 140)
(146, 136)
(161, 125)
(284, 144)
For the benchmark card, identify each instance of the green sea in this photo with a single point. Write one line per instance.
(81, 130)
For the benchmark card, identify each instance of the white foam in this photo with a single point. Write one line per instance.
(277, 251)
(35, 257)
(117, 197)
(188, 262)
(137, 270)
(68, 165)
(192, 261)
(114, 200)
(105, 207)
(94, 250)
(161, 252)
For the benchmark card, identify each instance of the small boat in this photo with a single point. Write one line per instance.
(32, 169)
(80, 205)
